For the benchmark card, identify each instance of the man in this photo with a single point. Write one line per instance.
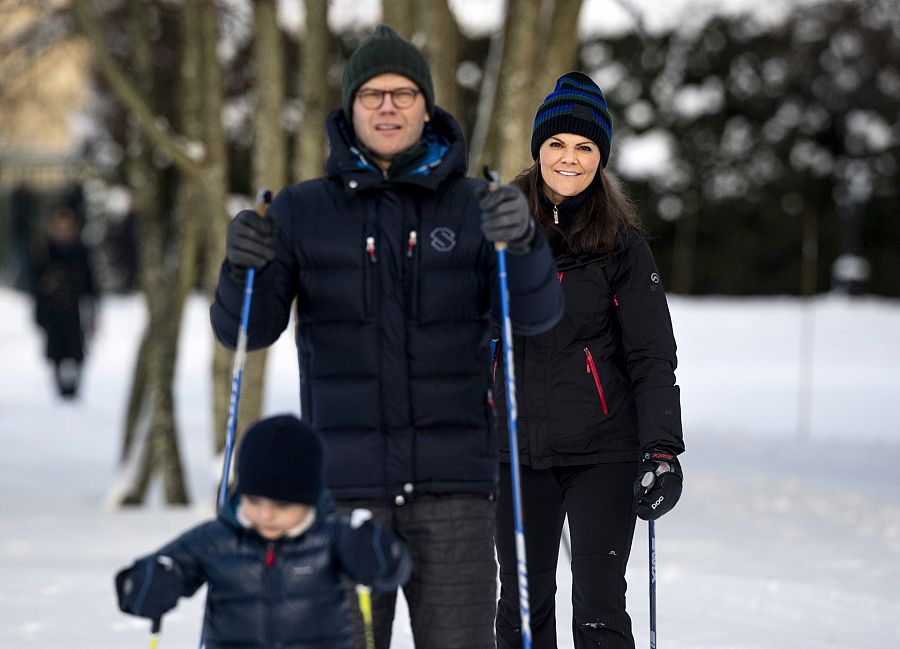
(390, 259)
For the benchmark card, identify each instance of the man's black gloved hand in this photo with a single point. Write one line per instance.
(250, 242)
(149, 588)
(658, 484)
(505, 217)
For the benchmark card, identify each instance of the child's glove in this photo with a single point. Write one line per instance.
(149, 588)
(372, 554)
(658, 484)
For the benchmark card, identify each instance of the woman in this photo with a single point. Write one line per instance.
(598, 407)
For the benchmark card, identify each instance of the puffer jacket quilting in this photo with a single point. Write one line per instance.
(394, 283)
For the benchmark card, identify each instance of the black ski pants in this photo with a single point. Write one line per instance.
(452, 592)
(599, 501)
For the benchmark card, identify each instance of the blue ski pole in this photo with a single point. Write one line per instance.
(263, 198)
(512, 418)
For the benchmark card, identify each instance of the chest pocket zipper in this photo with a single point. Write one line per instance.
(591, 369)
(370, 276)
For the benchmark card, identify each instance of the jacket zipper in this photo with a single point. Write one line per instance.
(591, 369)
(269, 576)
(555, 215)
(369, 274)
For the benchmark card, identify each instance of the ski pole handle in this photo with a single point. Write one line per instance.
(493, 179)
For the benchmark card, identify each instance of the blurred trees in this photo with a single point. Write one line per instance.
(761, 157)
(776, 147)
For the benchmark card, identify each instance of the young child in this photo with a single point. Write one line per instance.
(274, 557)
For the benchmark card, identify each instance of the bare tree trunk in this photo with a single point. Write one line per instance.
(483, 142)
(215, 218)
(442, 51)
(269, 167)
(400, 15)
(511, 122)
(314, 56)
(167, 286)
(562, 57)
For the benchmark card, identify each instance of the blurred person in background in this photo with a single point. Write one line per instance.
(598, 407)
(65, 295)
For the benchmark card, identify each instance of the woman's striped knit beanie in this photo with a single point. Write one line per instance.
(576, 106)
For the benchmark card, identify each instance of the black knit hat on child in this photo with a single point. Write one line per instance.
(280, 458)
(575, 106)
(385, 52)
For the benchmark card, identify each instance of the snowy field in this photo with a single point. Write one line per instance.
(787, 536)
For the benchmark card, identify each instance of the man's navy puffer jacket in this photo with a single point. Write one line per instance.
(394, 284)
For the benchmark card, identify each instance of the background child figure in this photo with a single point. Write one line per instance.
(65, 292)
(274, 556)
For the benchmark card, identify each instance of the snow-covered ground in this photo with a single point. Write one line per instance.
(787, 536)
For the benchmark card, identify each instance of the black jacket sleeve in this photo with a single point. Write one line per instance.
(152, 585)
(274, 290)
(535, 298)
(649, 344)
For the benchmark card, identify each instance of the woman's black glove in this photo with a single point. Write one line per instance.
(658, 484)
(149, 588)
(505, 217)
(250, 240)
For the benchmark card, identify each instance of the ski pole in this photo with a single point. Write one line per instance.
(363, 592)
(512, 419)
(652, 533)
(263, 198)
(647, 482)
(364, 595)
(154, 633)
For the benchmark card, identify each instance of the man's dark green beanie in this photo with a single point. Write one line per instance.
(385, 52)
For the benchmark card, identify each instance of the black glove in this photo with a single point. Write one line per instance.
(250, 242)
(149, 588)
(505, 217)
(372, 555)
(658, 484)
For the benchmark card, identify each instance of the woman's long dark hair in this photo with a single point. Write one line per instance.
(599, 223)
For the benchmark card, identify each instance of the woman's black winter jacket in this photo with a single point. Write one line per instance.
(599, 386)
(394, 284)
(284, 594)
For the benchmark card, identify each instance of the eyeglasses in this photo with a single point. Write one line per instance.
(401, 97)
